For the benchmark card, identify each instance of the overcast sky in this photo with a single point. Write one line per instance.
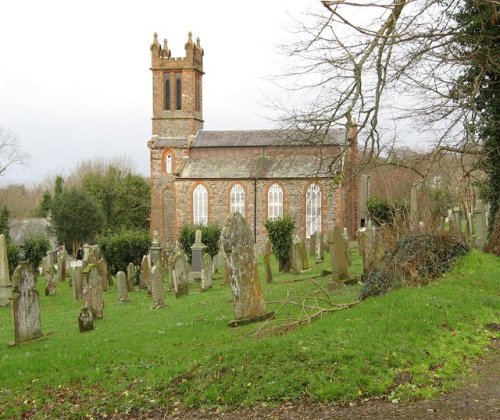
(75, 80)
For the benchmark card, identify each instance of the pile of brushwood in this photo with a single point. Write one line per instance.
(415, 260)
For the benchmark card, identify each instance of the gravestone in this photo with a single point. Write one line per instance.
(248, 298)
(144, 275)
(156, 250)
(102, 267)
(227, 275)
(361, 239)
(50, 283)
(85, 320)
(130, 277)
(121, 283)
(197, 252)
(206, 272)
(5, 284)
(414, 215)
(337, 255)
(303, 256)
(347, 249)
(312, 244)
(457, 217)
(267, 262)
(92, 291)
(25, 304)
(86, 252)
(371, 248)
(77, 283)
(61, 264)
(296, 265)
(180, 275)
(481, 226)
(157, 289)
(319, 247)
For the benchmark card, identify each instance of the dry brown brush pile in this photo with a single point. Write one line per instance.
(414, 260)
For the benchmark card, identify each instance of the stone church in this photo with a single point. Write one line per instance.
(200, 176)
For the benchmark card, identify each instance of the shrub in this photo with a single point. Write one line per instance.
(124, 247)
(13, 255)
(210, 236)
(280, 233)
(414, 260)
(379, 210)
(35, 248)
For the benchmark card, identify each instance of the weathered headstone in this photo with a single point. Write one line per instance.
(86, 252)
(130, 277)
(457, 215)
(319, 247)
(102, 267)
(77, 283)
(303, 256)
(157, 288)
(312, 244)
(267, 262)
(61, 264)
(92, 291)
(347, 249)
(361, 239)
(296, 265)
(248, 298)
(197, 251)
(206, 272)
(85, 320)
(180, 275)
(227, 275)
(155, 251)
(337, 255)
(481, 227)
(414, 215)
(50, 283)
(25, 304)
(5, 284)
(144, 275)
(121, 283)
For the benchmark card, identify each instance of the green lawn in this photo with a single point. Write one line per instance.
(410, 343)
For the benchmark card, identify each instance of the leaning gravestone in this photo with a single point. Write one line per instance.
(77, 283)
(130, 277)
(25, 304)
(5, 284)
(102, 267)
(92, 291)
(157, 288)
(337, 254)
(85, 320)
(206, 272)
(144, 275)
(180, 275)
(121, 282)
(248, 299)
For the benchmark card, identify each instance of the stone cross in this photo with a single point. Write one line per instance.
(267, 262)
(92, 291)
(180, 275)
(206, 272)
(197, 251)
(144, 275)
(77, 283)
(157, 288)
(121, 283)
(5, 284)
(130, 277)
(337, 254)
(25, 304)
(248, 298)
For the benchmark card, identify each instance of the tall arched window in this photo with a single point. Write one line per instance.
(166, 79)
(237, 199)
(200, 205)
(275, 202)
(178, 91)
(313, 210)
(168, 164)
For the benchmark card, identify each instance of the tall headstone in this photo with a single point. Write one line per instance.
(157, 288)
(337, 254)
(25, 304)
(61, 264)
(312, 244)
(197, 251)
(130, 277)
(77, 283)
(156, 250)
(102, 267)
(267, 262)
(303, 256)
(481, 227)
(144, 275)
(296, 266)
(248, 298)
(361, 239)
(86, 252)
(5, 284)
(414, 207)
(92, 291)
(319, 247)
(206, 272)
(50, 283)
(458, 218)
(180, 275)
(347, 249)
(121, 283)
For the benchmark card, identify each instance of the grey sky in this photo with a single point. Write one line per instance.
(75, 80)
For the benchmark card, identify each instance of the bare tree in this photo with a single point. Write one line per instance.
(10, 152)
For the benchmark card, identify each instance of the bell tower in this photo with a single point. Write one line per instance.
(177, 90)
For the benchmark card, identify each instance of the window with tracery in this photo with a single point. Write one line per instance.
(200, 205)
(313, 210)
(275, 202)
(237, 199)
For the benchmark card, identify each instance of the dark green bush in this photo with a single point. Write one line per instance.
(124, 247)
(13, 255)
(210, 236)
(379, 210)
(35, 248)
(280, 233)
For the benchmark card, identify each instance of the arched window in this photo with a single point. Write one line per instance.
(275, 202)
(237, 199)
(166, 78)
(178, 91)
(200, 205)
(313, 210)
(168, 164)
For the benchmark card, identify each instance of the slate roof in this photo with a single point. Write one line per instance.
(241, 138)
(162, 142)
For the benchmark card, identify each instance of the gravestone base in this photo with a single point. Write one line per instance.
(159, 305)
(182, 290)
(245, 321)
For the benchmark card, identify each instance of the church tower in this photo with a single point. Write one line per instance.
(177, 117)
(177, 90)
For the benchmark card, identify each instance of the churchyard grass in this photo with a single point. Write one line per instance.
(409, 343)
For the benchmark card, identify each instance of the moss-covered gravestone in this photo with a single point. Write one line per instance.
(92, 291)
(157, 287)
